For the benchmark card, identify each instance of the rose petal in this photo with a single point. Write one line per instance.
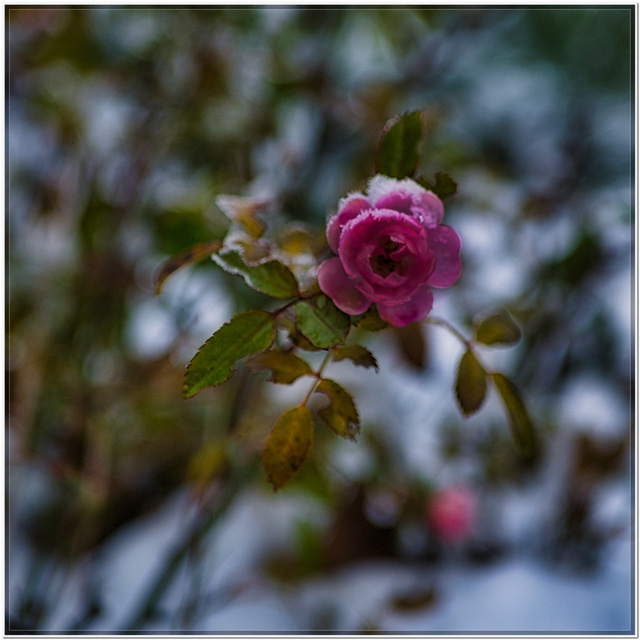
(413, 310)
(398, 201)
(445, 244)
(348, 208)
(408, 197)
(361, 241)
(339, 287)
(428, 208)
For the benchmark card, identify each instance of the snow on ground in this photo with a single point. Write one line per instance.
(516, 594)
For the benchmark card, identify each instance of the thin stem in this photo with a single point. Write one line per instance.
(451, 329)
(283, 308)
(469, 344)
(318, 377)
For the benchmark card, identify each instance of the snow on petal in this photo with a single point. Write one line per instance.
(348, 208)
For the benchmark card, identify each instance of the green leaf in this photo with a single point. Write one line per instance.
(341, 414)
(301, 342)
(285, 367)
(194, 253)
(288, 446)
(398, 155)
(369, 320)
(322, 322)
(271, 278)
(498, 329)
(358, 354)
(471, 383)
(245, 333)
(443, 186)
(521, 426)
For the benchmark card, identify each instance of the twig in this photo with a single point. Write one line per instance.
(451, 329)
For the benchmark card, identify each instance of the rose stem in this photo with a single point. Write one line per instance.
(318, 377)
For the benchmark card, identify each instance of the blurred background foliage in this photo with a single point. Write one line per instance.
(124, 123)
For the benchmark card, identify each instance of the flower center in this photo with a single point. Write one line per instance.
(382, 262)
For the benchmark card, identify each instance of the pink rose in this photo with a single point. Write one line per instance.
(451, 513)
(391, 249)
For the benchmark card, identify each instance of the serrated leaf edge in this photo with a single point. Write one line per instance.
(392, 122)
(232, 368)
(340, 389)
(218, 259)
(337, 357)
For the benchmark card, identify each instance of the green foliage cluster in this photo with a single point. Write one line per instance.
(309, 321)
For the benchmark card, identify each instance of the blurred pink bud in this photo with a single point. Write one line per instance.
(451, 513)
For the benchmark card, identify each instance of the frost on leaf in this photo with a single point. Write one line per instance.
(272, 278)
(243, 211)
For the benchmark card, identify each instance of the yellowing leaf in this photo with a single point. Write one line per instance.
(253, 252)
(521, 426)
(358, 354)
(498, 329)
(297, 240)
(288, 446)
(243, 211)
(471, 383)
(341, 414)
(285, 367)
(369, 320)
(193, 254)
